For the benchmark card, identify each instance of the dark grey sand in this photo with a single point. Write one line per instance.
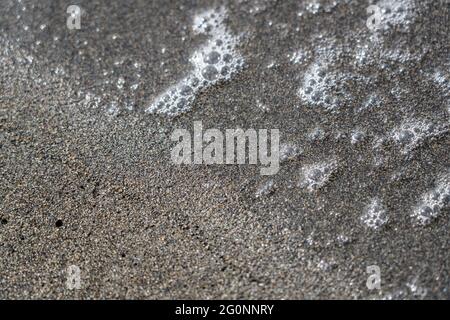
(87, 180)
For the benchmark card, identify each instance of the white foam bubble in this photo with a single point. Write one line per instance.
(289, 151)
(401, 55)
(416, 289)
(113, 109)
(322, 86)
(357, 136)
(215, 61)
(120, 83)
(412, 133)
(316, 175)
(375, 214)
(265, 189)
(299, 57)
(442, 81)
(315, 7)
(433, 202)
(397, 14)
(317, 134)
(372, 102)
(317, 84)
(342, 239)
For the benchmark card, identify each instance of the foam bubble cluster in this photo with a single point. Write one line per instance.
(323, 84)
(372, 102)
(317, 134)
(375, 214)
(315, 176)
(413, 133)
(317, 88)
(289, 152)
(417, 290)
(433, 202)
(442, 80)
(215, 61)
(315, 7)
(299, 57)
(397, 14)
(266, 189)
(357, 137)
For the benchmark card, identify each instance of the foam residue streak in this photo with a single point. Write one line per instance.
(215, 61)
(433, 202)
(412, 133)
